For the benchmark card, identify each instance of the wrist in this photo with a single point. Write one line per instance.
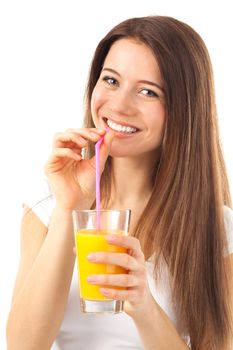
(142, 311)
(66, 208)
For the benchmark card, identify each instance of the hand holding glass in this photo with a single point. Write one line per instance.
(89, 239)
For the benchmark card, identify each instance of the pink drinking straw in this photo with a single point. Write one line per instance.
(97, 180)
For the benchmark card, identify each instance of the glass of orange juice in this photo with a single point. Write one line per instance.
(91, 227)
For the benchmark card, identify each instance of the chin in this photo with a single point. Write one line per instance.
(122, 153)
(118, 154)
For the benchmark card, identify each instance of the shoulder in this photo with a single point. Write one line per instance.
(40, 200)
(228, 219)
(228, 215)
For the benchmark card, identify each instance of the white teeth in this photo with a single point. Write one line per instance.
(121, 128)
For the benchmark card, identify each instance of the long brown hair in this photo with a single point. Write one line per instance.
(183, 221)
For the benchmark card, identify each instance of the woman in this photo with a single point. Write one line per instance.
(151, 83)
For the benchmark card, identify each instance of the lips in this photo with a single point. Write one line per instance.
(120, 127)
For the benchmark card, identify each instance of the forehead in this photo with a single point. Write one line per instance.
(131, 56)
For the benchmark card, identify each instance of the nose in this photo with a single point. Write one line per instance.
(123, 103)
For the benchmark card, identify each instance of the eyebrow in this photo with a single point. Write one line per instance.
(140, 81)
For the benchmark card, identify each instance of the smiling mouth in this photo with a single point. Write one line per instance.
(120, 128)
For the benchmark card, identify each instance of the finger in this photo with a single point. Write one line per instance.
(121, 280)
(66, 153)
(60, 139)
(120, 259)
(129, 242)
(95, 130)
(117, 294)
(104, 150)
(79, 137)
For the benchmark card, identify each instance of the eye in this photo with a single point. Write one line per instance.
(110, 80)
(149, 93)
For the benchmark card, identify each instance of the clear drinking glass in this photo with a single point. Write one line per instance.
(89, 238)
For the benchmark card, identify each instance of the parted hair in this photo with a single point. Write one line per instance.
(183, 222)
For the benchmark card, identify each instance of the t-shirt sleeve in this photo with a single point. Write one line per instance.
(228, 218)
(40, 200)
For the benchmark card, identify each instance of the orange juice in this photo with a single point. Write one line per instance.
(88, 241)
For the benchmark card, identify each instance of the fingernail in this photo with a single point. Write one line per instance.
(111, 238)
(84, 141)
(92, 134)
(98, 143)
(91, 257)
(91, 279)
(104, 291)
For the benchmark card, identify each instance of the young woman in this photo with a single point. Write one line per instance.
(151, 84)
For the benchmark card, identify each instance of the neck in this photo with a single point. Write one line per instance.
(132, 179)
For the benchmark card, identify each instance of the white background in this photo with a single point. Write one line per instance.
(45, 51)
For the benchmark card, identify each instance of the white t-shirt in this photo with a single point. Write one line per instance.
(107, 332)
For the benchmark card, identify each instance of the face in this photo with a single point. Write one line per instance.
(128, 98)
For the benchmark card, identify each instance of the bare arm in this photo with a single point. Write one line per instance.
(43, 281)
(47, 259)
(157, 331)
(154, 327)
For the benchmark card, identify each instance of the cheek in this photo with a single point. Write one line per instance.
(156, 127)
(161, 122)
(157, 119)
